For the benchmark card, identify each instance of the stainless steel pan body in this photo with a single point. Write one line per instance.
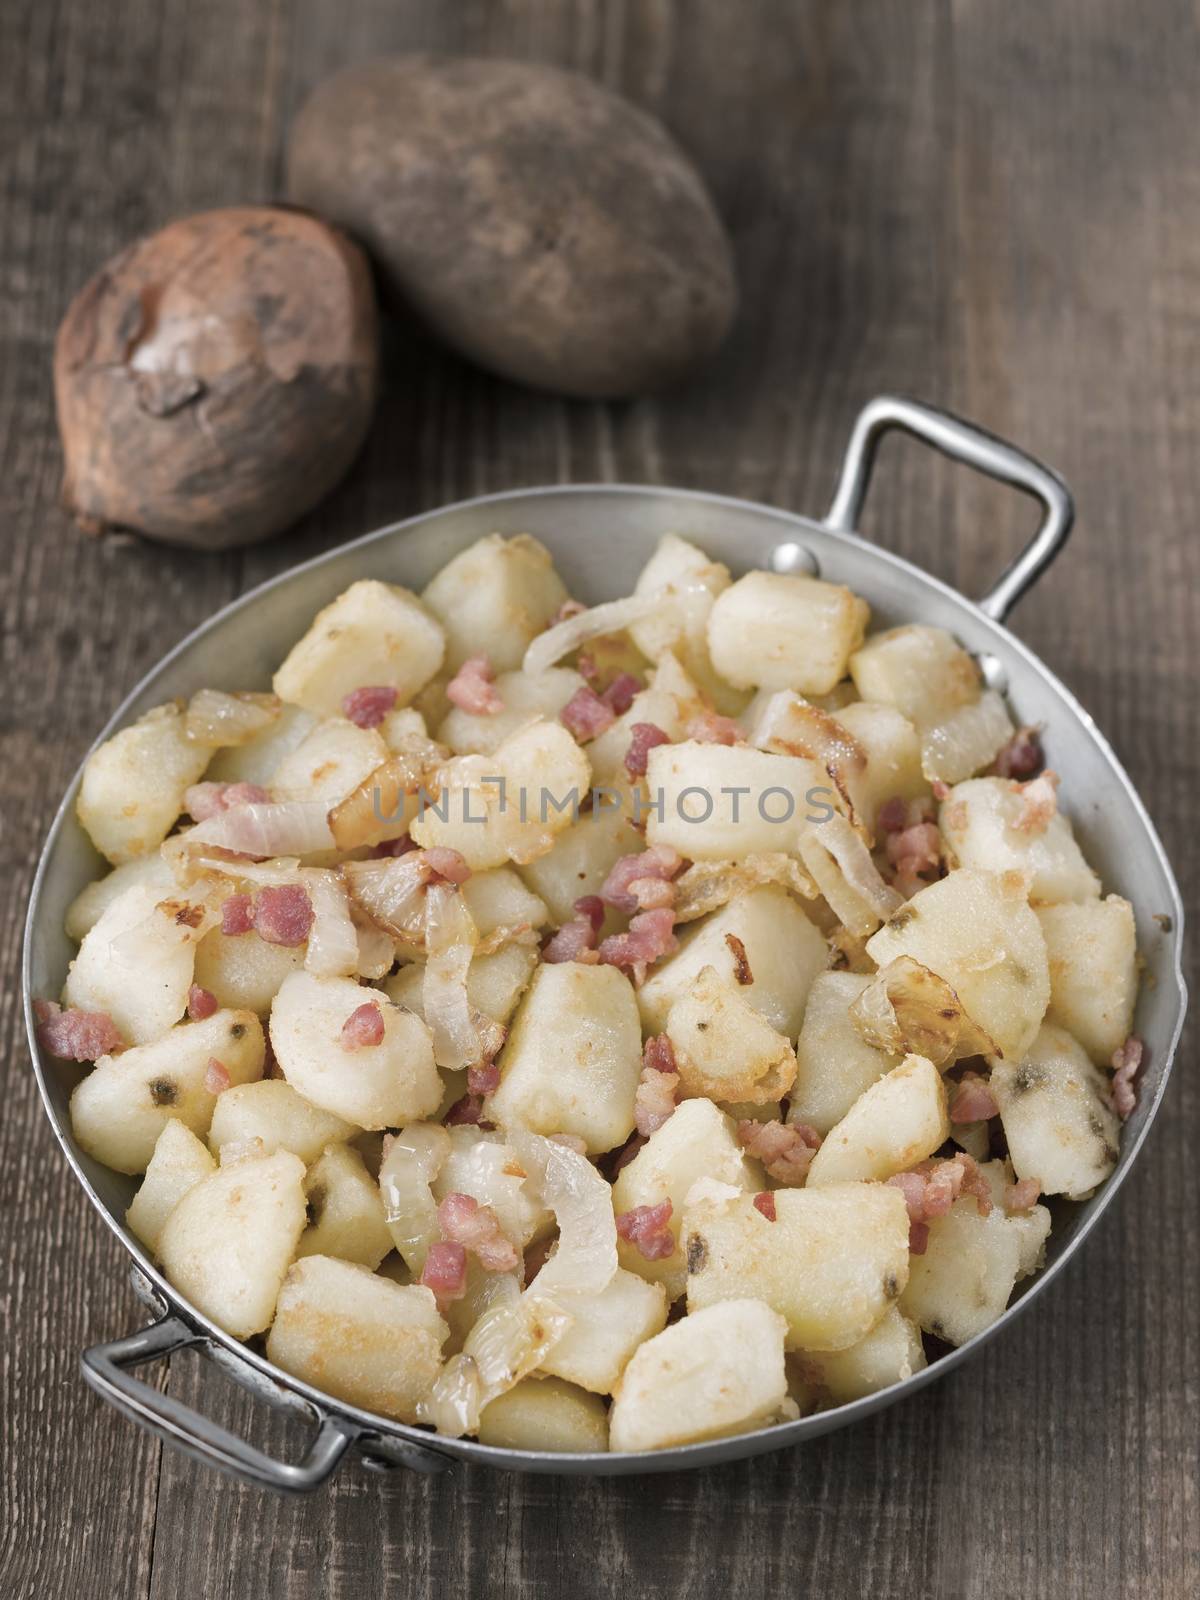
(600, 536)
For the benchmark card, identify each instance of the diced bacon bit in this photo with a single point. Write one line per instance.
(216, 1076)
(931, 1188)
(367, 706)
(1022, 1196)
(646, 1227)
(363, 1028)
(620, 693)
(654, 1100)
(632, 877)
(445, 1270)
(897, 814)
(764, 1202)
(483, 1078)
(477, 1228)
(466, 1113)
(204, 800)
(1039, 803)
(917, 848)
(471, 688)
(574, 941)
(941, 791)
(712, 728)
(283, 914)
(1126, 1063)
(592, 907)
(237, 915)
(741, 962)
(537, 1256)
(649, 937)
(391, 847)
(447, 864)
(1022, 756)
(74, 1034)
(643, 737)
(659, 1053)
(918, 1238)
(585, 715)
(973, 1100)
(785, 1149)
(201, 1003)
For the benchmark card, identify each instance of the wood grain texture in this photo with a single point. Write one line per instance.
(993, 206)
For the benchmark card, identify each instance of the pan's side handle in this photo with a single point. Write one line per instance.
(974, 447)
(105, 1367)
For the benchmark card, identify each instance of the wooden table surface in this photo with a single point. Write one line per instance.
(995, 206)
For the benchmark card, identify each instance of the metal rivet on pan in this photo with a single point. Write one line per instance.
(791, 557)
(995, 673)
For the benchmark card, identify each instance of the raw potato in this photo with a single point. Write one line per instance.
(963, 1281)
(216, 379)
(358, 1336)
(177, 1165)
(783, 951)
(834, 1063)
(724, 802)
(119, 1110)
(527, 697)
(719, 1371)
(981, 822)
(545, 1414)
(478, 800)
(1092, 947)
(373, 634)
(345, 1212)
(376, 1086)
(723, 1048)
(696, 1142)
(606, 1330)
(227, 1244)
(244, 971)
(831, 1263)
(493, 598)
(149, 872)
(133, 785)
(271, 1112)
(976, 930)
(573, 1057)
(919, 670)
(777, 631)
(897, 1122)
(583, 855)
(1057, 1117)
(891, 1352)
(539, 224)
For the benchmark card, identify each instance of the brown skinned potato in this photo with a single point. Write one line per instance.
(543, 227)
(215, 379)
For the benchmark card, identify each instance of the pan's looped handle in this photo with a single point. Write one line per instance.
(974, 447)
(105, 1369)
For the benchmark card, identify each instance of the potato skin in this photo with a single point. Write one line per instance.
(545, 228)
(215, 379)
